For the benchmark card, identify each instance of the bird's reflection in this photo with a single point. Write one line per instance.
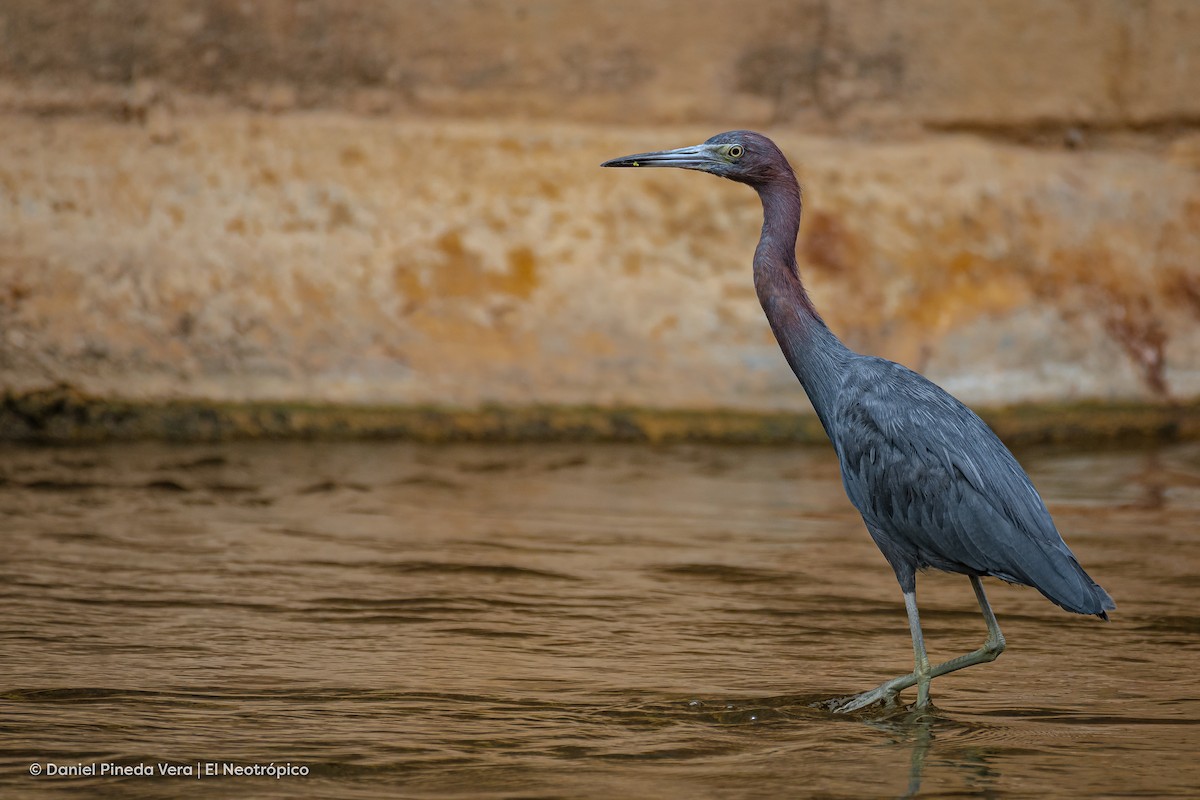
(919, 729)
(916, 728)
(929, 733)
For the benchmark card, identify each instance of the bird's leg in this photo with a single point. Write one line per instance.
(991, 649)
(921, 674)
(920, 659)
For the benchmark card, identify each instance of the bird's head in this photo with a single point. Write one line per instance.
(743, 156)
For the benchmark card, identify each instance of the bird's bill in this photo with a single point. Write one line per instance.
(701, 156)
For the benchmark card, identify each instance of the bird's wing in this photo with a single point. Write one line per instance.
(926, 471)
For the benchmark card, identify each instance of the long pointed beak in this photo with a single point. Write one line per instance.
(702, 157)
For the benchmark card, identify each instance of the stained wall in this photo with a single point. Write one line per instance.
(400, 202)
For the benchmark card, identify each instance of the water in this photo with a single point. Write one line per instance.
(568, 621)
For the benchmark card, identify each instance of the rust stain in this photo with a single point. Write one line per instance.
(462, 343)
(461, 274)
(352, 156)
(594, 343)
(1183, 287)
(669, 323)
(1140, 333)
(13, 293)
(961, 288)
(314, 299)
(340, 216)
(458, 275)
(632, 264)
(1192, 212)
(521, 279)
(828, 246)
(1128, 314)
(408, 284)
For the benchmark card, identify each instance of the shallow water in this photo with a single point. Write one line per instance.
(550, 621)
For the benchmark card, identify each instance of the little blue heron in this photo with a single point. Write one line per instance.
(935, 486)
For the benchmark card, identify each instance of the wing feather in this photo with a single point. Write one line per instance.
(928, 474)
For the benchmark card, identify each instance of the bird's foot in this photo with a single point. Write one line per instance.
(844, 705)
(885, 692)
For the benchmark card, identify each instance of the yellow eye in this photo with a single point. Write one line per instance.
(736, 151)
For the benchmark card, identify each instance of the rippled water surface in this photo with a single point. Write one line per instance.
(568, 621)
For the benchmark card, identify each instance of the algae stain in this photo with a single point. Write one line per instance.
(64, 414)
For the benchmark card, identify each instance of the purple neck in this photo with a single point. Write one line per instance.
(813, 352)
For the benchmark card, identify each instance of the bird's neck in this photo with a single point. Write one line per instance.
(813, 352)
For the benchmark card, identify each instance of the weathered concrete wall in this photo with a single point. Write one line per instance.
(825, 64)
(400, 202)
(373, 260)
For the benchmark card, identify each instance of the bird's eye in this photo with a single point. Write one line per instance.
(736, 151)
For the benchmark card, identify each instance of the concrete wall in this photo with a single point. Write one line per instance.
(399, 202)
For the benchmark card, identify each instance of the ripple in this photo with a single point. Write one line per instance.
(499, 621)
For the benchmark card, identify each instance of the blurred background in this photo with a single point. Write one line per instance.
(399, 203)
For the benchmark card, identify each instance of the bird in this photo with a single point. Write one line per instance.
(934, 484)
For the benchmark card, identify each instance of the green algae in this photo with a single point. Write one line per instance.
(63, 415)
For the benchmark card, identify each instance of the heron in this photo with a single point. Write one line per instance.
(934, 484)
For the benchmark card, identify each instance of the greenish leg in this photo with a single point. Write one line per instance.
(922, 673)
(920, 659)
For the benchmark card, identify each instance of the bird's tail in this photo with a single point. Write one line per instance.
(1074, 590)
(1105, 600)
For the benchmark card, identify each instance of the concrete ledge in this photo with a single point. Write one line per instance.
(63, 416)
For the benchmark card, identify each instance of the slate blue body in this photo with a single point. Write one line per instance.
(937, 488)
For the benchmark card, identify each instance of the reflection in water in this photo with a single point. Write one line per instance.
(916, 730)
(570, 621)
